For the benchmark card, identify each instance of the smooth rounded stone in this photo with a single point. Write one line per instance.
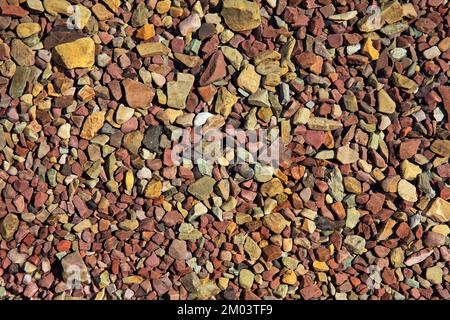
(241, 15)
(407, 191)
(54, 7)
(202, 187)
(64, 131)
(246, 278)
(35, 5)
(346, 155)
(27, 29)
(8, 226)
(356, 244)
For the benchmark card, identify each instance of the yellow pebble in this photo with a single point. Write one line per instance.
(289, 277)
(129, 181)
(320, 266)
(370, 49)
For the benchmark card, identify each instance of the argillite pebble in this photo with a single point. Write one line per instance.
(118, 180)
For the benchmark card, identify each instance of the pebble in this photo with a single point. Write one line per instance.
(97, 96)
(76, 54)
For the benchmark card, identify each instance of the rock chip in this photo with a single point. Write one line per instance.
(439, 210)
(202, 187)
(137, 94)
(8, 226)
(76, 54)
(241, 15)
(75, 271)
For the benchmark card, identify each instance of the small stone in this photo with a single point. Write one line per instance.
(151, 49)
(323, 124)
(352, 185)
(434, 275)
(8, 226)
(432, 53)
(21, 53)
(76, 54)
(241, 15)
(27, 29)
(441, 147)
(137, 94)
(178, 91)
(132, 141)
(272, 188)
(346, 155)
(202, 187)
(385, 102)
(302, 116)
(54, 7)
(355, 244)
(433, 239)
(64, 131)
(152, 138)
(252, 249)
(409, 170)
(407, 191)
(275, 222)
(146, 32)
(409, 148)
(92, 125)
(344, 16)
(123, 114)
(215, 70)
(153, 189)
(246, 278)
(190, 24)
(249, 79)
(178, 250)
(75, 271)
(439, 210)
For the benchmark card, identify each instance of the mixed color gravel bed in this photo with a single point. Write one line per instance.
(95, 93)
